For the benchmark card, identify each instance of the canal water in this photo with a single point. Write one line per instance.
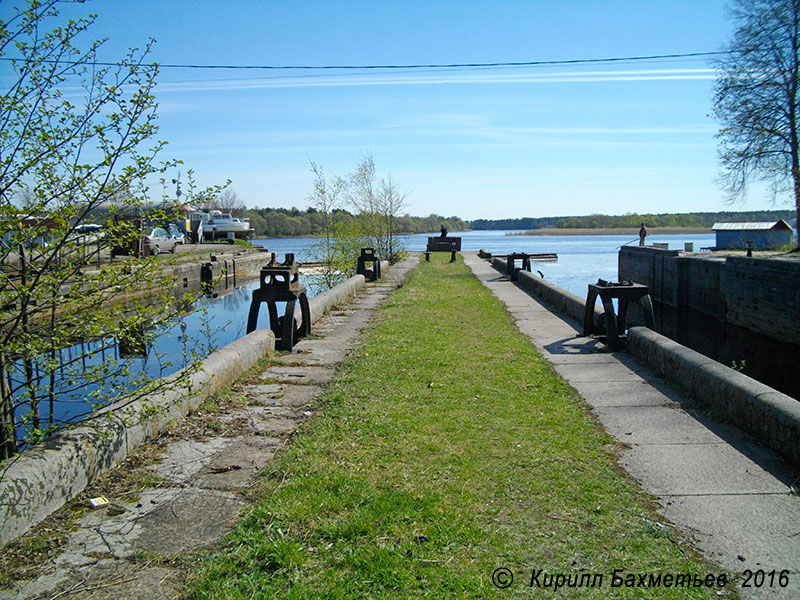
(221, 320)
(582, 259)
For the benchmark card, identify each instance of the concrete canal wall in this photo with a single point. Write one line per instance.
(768, 415)
(43, 478)
(759, 294)
(560, 299)
(225, 270)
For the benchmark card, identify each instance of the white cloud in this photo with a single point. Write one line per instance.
(433, 78)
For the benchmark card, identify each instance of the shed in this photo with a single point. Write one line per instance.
(764, 236)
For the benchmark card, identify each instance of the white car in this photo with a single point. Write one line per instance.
(177, 234)
(159, 240)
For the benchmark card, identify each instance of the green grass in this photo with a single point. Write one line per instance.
(446, 448)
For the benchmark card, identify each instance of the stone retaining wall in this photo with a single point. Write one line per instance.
(227, 271)
(759, 294)
(768, 415)
(43, 478)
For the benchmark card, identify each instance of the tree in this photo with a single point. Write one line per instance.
(363, 196)
(76, 136)
(331, 249)
(756, 99)
(390, 201)
(228, 201)
(378, 205)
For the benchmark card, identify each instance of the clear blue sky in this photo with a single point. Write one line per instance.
(477, 143)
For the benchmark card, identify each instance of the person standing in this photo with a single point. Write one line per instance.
(642, 234)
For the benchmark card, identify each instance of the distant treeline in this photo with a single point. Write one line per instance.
(523, 223)
(292, 222)
(698, 219)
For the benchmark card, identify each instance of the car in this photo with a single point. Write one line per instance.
(87, 233)
(177, 234)
(159, 240)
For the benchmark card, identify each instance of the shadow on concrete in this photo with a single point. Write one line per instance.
(738, 439)
(574, 345)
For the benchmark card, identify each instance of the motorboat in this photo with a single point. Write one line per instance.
(219, 225)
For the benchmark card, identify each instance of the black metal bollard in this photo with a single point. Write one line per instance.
(368, 256)
(511, 268)
(279, 283)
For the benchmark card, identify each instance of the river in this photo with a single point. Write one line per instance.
(582, 259)
(221, 320)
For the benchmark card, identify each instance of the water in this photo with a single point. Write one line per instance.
(215, 322)
(222, 320)
(582, 259)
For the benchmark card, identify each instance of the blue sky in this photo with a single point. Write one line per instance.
(477, 143)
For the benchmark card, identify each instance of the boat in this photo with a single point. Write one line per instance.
(216, 224)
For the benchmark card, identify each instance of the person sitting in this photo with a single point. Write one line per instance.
(444, 231)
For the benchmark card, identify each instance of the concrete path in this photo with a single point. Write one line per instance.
(144, 543)
(728, 494)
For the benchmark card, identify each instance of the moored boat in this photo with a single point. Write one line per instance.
(216, 224)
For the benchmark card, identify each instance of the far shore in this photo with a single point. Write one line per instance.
(620, 231)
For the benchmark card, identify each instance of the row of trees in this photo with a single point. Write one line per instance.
(699, 219)
(598, 221)
(292, 222)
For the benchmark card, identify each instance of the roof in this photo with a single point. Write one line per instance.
(760, 226)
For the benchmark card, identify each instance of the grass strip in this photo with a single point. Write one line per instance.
(446, 448)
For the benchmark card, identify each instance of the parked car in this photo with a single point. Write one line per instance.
(159, 240)
(177, 234)
(87, 233)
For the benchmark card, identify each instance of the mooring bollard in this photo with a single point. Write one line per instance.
(511, 268)
(625, 292)
(368, 256)
(279, 283)
(207, 277)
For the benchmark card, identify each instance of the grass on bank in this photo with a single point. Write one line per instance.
(446, 448)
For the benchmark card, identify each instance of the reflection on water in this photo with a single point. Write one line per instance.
(79, 383)
(765, 359)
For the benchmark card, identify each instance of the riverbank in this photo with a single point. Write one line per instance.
(634, 231)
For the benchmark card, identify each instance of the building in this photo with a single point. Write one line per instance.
(764, 236)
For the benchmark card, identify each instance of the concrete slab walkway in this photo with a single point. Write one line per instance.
(727, 493)
(143, 545)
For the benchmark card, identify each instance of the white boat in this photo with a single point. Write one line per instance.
(218, 225)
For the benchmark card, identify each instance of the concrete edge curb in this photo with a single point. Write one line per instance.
(771, 417)
(44, 478)
(321, 303)
(561, 300)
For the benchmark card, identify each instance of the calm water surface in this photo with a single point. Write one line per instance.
(582, 259)
(219, 321)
